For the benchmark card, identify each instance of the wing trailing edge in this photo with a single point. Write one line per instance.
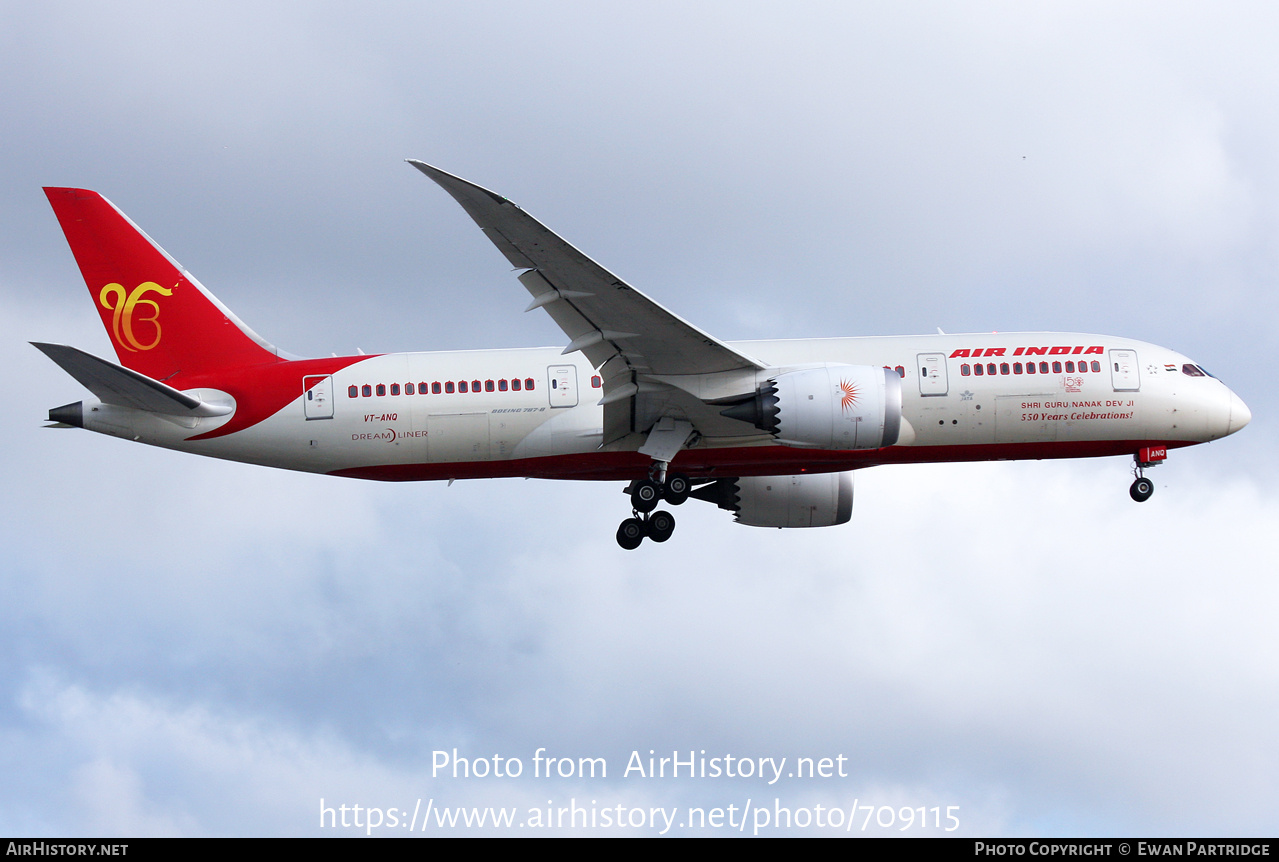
(594, 307)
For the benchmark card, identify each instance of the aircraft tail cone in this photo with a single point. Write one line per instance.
(68, 414)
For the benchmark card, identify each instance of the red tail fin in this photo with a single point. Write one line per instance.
(162, 321)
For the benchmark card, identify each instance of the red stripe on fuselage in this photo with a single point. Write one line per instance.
(741, 461)
(262, 391)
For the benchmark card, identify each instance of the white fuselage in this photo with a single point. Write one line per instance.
(537, 412)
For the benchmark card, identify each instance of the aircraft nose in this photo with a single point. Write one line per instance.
(1240, 415)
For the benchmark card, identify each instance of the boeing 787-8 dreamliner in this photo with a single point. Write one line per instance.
(769, 430)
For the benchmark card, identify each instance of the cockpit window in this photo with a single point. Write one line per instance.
(1192, 370)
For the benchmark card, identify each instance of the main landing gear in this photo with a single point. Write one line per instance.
(645, 495)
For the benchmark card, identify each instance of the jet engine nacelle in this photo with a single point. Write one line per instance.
(828, 407)
(810, 500)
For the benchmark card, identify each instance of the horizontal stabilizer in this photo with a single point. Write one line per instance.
(113, 384)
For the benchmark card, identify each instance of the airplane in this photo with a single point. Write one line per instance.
(768, 430)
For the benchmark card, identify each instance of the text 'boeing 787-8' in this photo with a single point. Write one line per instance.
(769, 430)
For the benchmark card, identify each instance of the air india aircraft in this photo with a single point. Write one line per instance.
(769, 430)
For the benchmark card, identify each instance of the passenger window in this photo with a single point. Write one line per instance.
(965, 369)
(501, 385)
(1003, 368)
(979, 369)
(1030, 368)
(435, 388)
(515, 384)
(461, 386)
(366, 390)
(990, 368)
(490, 386)
(1096, 366)
(475, 386)
(395, 389)
(596, 383)
(1056, 368)
(1043, 368)
(381, 389)
(408, 388)
(352, 391)
(1016, 368)
(528, 383)
(448, 387)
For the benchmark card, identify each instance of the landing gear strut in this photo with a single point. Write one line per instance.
(1141, 487)
(645, 494)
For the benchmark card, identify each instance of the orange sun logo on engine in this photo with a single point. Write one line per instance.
(849, 398)
(123, 306)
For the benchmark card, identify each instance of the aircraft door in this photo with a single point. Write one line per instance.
(458, 436)
(932, 374)
(562, 385)
(1125, 376)
(317, 400)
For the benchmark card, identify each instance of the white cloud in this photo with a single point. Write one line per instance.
(1006, 665)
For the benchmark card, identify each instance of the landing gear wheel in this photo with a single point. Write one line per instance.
(630, 533)
(660, 525)
(645, 495)
(677, 488)
(1141, 489)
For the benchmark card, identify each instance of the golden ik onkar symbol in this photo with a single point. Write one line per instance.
(123, 306)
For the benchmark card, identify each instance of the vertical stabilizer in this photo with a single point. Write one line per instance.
(162, 322)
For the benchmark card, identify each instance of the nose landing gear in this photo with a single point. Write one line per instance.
(1141, 487)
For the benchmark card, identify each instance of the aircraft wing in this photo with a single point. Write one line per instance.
(602, 315)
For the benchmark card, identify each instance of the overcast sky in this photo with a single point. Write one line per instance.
(192, 647)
